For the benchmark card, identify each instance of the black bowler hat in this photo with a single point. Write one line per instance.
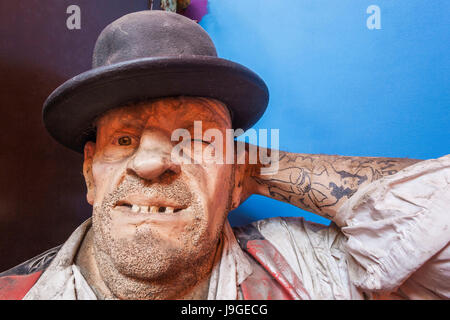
(146, 55)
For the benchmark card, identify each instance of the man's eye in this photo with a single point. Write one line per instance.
(202, 141)
(124, 141)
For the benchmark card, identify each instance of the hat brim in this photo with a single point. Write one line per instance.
(69, 111)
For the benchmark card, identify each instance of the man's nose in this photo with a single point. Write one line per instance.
(153, 157)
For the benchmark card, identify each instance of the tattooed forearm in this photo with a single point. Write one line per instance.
(322, 183)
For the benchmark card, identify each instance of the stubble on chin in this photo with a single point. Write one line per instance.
(146, 267)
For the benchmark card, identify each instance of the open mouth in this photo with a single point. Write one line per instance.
(147, 208)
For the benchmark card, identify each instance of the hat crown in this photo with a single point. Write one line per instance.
(147, 34)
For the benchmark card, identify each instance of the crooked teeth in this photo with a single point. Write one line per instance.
(151, 209)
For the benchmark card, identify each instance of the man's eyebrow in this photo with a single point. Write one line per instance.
(131, 124)
(205, 124)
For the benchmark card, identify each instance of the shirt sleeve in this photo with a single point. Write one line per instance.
(397, 231)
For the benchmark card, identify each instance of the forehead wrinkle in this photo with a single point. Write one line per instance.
(138, 115)
(123, 120)
(137, 124)
(219, 108)
(206, 123)
(212, 110)
(160, 108)
(205, 126)
(178, 110)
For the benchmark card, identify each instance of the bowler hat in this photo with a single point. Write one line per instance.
(147, 55)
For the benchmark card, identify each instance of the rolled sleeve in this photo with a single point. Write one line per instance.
(397, 225)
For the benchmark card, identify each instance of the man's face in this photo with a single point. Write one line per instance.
(153, 215)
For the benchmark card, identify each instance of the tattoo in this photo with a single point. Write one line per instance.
(321, 183)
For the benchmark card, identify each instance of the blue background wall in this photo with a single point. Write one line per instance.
(337, 87)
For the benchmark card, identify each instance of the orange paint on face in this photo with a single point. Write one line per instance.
(155, 217)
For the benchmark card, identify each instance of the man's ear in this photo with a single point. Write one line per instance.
(89, 151)
(238, 187)
(243, 181)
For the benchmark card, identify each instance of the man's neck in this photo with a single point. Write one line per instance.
(85, 260)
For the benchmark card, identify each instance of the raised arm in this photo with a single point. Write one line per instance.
(322, 183)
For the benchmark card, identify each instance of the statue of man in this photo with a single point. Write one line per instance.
(159, 227)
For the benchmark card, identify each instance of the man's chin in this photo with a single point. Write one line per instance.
(136, 265)
(141, 264)
(129, 279)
